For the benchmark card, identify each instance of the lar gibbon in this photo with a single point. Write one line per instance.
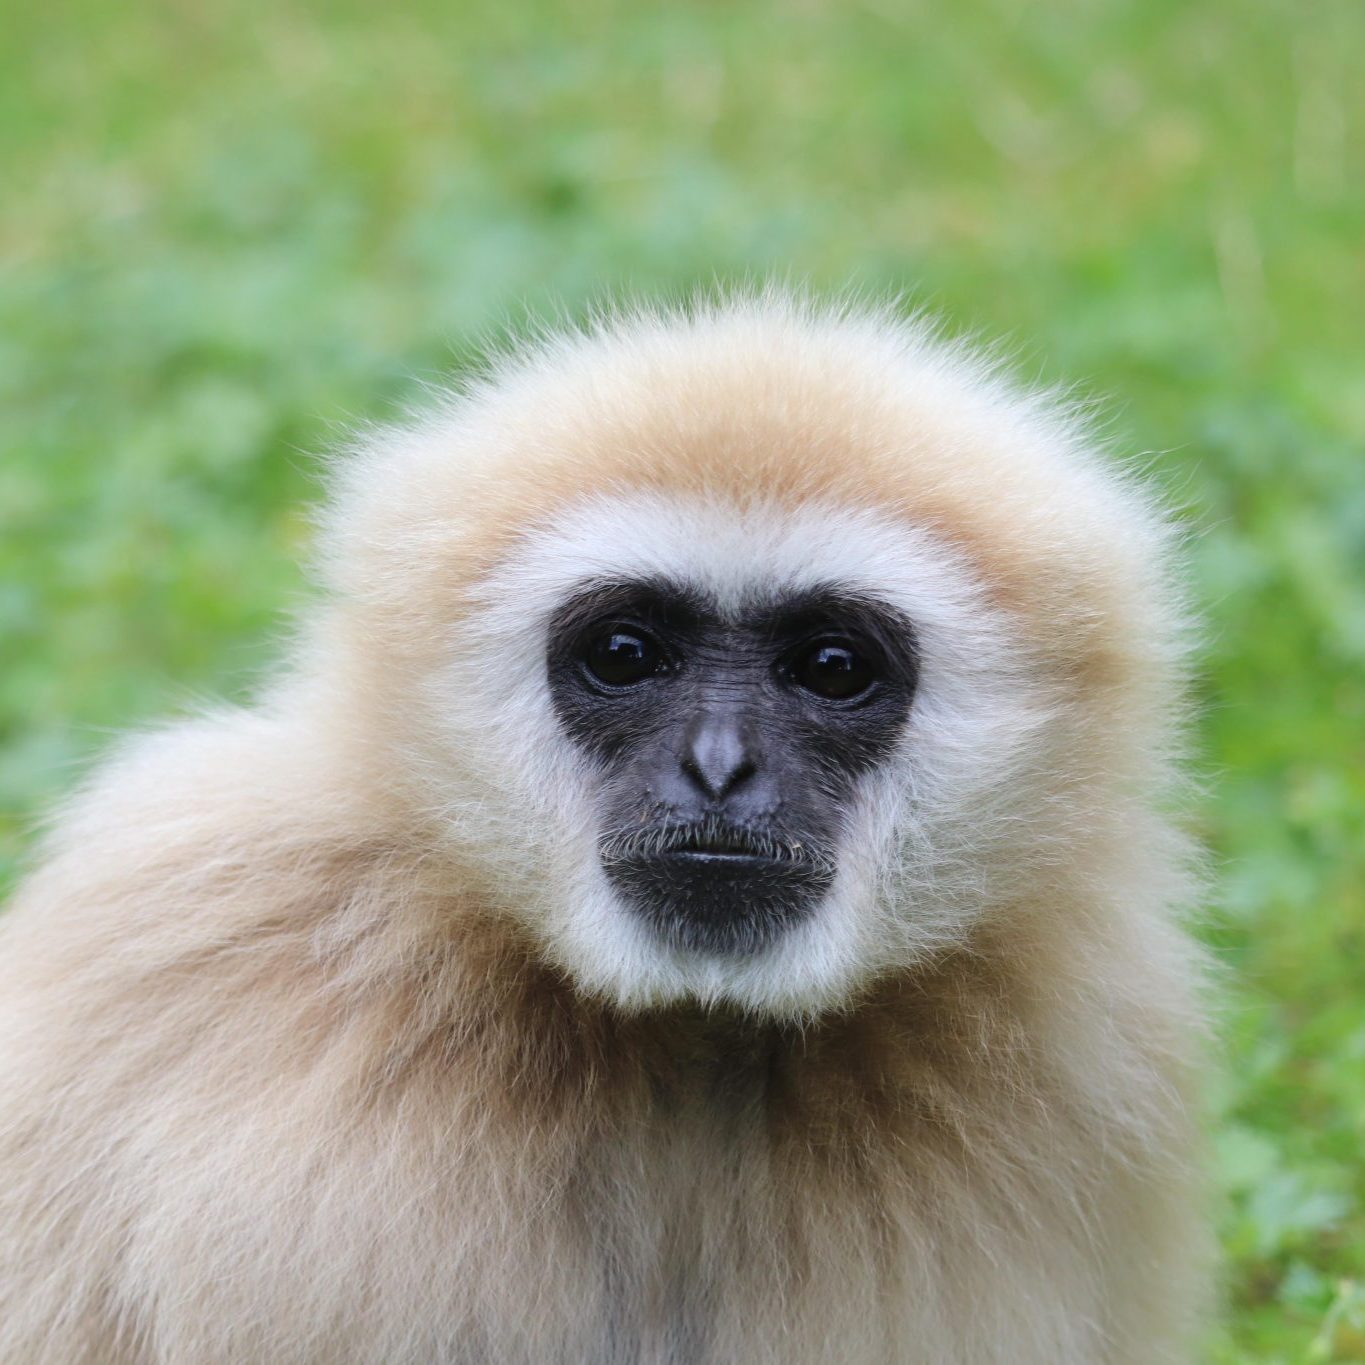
(697, 892)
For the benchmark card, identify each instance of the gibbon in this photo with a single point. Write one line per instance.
(702, 889)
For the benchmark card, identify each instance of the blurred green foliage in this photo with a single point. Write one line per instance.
(228, 230)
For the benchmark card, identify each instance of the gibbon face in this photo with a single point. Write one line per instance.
(730, 738)
(723, 751)
(748, 656)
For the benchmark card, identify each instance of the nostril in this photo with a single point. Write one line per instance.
(741, 773)
(718, 780)
(717, 757)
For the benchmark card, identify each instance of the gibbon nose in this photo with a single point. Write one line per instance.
(718, 753)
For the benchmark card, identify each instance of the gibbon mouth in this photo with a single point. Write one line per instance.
(703, 857)
(726, 844)
(721, 848)
(717, 888)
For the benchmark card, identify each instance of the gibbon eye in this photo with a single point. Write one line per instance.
(621, 657)
(833, 669)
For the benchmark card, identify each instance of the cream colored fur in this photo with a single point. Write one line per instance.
(322, 1038)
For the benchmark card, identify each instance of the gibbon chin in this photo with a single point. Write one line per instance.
(699, 891)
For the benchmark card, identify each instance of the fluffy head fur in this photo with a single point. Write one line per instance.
(325, 1037)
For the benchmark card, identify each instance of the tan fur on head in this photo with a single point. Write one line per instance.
(322, 1037)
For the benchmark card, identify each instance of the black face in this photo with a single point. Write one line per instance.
(731, 746)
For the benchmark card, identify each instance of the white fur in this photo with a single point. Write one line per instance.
(899, 890)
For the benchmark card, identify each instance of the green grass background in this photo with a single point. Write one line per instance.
(228, 230)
